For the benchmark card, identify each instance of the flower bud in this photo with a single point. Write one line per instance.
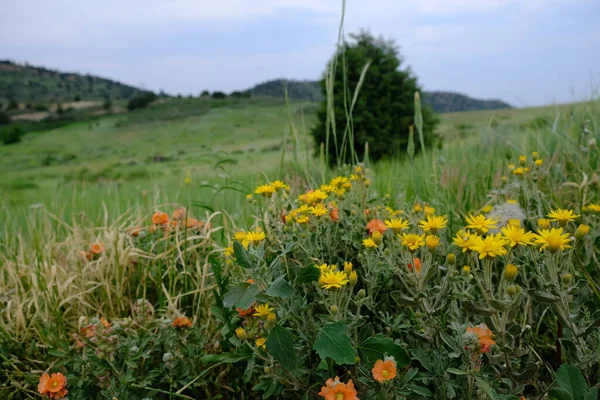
(353, 278)
(539, 163)
(347, 267)
(510, 272)
(429, 210)
(167, 357)
(567, 279)
(361, 294)
(377, 237)
(466, 270)
(356, 360)
(511, 167)
(272, 318)
(543, 223)
(267, 370)
(522, 161)
(511, 290)
(504, 180)
(582, 231)
(534, 155)
(450, 259)
(334, 309)
(241, 333)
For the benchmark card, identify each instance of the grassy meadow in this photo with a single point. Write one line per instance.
(95, 284)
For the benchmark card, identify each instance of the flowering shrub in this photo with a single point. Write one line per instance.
(343, 294)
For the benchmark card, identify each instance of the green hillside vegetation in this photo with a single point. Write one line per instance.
(25, 84)
(440, 102)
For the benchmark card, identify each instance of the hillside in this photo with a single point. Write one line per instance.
(441, 102)
(28, 84)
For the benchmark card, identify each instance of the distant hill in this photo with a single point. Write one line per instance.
(25, 83)
(441, 102)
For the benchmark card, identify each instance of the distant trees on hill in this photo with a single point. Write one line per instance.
(141, 100)
(218, 95)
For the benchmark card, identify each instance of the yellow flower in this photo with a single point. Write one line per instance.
(522, 160)
(492, 246)
(256, 236)
(228, 251)
(263, 310)
(249, 197)
(265, 190)
(432, 224)
(487, 208)
(303, 209)
(260, 343)
(187, 180)
(279, 185)
(333, 280)
(510, 272)
(543, 223)
(319, 210)
(348, 267)
(480, 223)
(465, 240)
(241, 333)
(303, 219)
(432, 242)
(512, 201)
(240, 236)
(353, 278)
(553, 239)
(396, 224)
(511, 167)
(313, 196)
(377, 237)
(327, 188)
(341, 183)
(327, 267)
(369, 243)
(417, 208)
(595, 208)
(413, 241)
(535, 155)
(582, 231)
(538, 163)
(520, 171)
(562, 216)
(514, 222)
(429, 210)
(516, 236)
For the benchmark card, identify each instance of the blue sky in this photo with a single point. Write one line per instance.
(526, 52)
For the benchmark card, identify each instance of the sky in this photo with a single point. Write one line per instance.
(525, 52)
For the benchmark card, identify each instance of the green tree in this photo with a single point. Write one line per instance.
(384, 108)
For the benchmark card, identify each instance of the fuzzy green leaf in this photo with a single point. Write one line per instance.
(280, 345)
(333, 342)
(281, 288)
(241, 255)
(377, 347)
(308, 274)
(570, 379)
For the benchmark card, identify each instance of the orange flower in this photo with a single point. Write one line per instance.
(88, 331)
(135, 232)
(384, 370)
(417, 267)
(336, 390)
(86, 254)
(243, 313)
(104, 322)
(160, 218)
(182, 322)
(193, 223)
(178, 214)
(484, 334)
(96, 248)
(53, 385)
(334, 214)
(250, 280)
(376, 225)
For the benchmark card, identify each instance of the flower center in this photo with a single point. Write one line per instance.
(554, 243)
(385, 373)
(339, 396)
(54, 384)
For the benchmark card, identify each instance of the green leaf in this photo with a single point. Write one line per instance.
(423, 391)
(542, 297)
(241, 255)
(333, 342)
(561, 394)
(456, 371)
(479, 310)
(308, 274)
(411, 373)
(376, 347)
(248, 298)
(571, 379)
(281, 288)
(402, 300)
(592, 394)
(280, 345)
(483, 385)
(235, 294)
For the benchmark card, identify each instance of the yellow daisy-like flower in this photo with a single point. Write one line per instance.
(465, 240)
(492, 246)
(432, 223)
(303, 209)
(413, 241)
(333, 280)
(517, 236)
(539, 162)
(428, 210)
(553, 239)
(514, 222)
(313, 196)
(369, 243)
(327, 188)
(341, 183)
(432, 242)
(228, 251)
(594, 208)
(417, 208)
(543, 223)
(263, 310)
(480, 223)
(261, 343)
(302, 219)
(327, 267)
(319, 210)
(562, 216)
(396, 224)
(487, 208)
(239, 236)
(265, 190)
(279, 185)
(520, 171)
(256, 236)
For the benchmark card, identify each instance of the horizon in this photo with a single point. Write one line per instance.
(550, 54)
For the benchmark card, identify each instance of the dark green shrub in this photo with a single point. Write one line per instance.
(141, 100)
(12, 136)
